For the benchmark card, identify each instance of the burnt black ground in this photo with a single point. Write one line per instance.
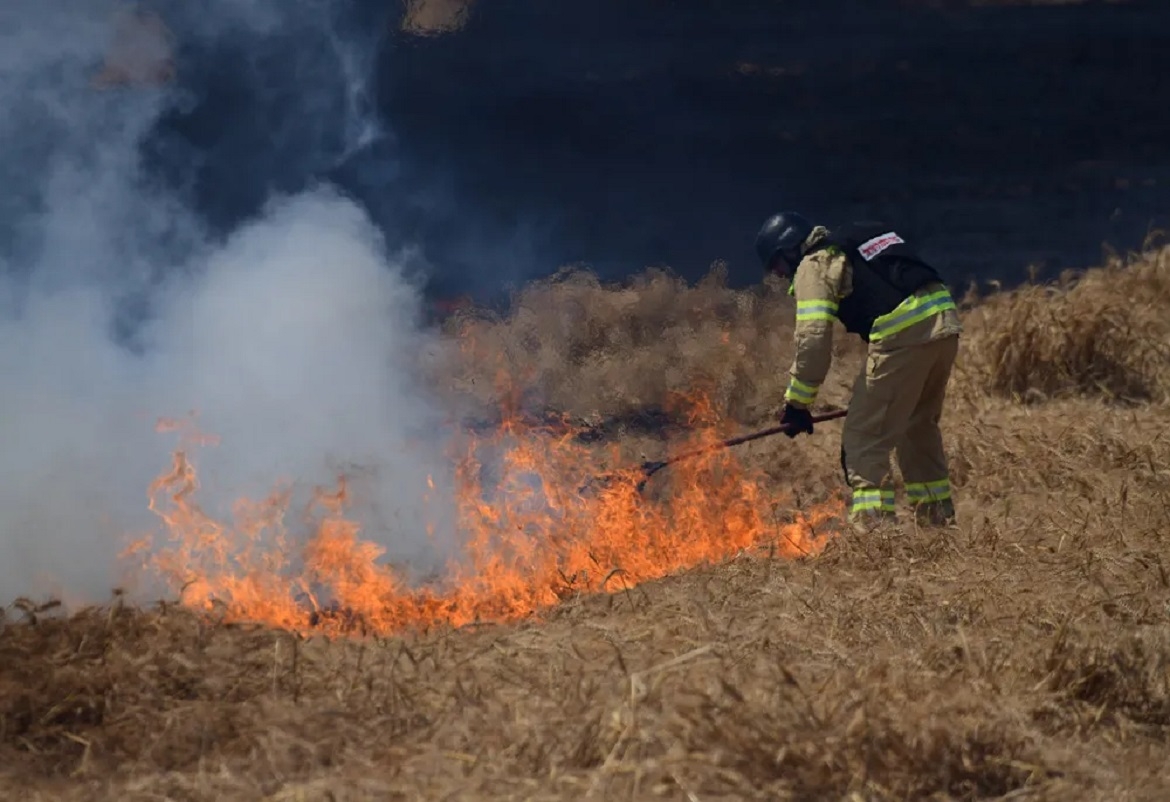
(626, 134)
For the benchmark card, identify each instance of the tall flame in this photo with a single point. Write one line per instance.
(531, 539)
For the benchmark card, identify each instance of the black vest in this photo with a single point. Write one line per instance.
(886, 271)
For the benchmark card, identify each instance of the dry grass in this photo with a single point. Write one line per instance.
(1026, 656)
(610, 352)
(1104, 333)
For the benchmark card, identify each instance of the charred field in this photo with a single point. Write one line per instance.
(1024, 656)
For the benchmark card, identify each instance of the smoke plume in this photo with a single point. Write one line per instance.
(293, 336)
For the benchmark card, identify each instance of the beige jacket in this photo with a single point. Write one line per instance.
(821, 281)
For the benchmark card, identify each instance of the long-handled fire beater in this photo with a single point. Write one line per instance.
(653, 467)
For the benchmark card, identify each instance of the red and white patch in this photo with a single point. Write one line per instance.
(871, 248)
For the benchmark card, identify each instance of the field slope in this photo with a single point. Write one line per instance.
(1026, 656)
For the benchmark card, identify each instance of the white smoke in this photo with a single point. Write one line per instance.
(294, 340)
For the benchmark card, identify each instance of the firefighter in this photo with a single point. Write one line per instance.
(868, 278)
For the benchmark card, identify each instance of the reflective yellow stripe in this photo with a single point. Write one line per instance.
(866, 500)
(815, 310)
(871, 498)
(913, 310)
(800, 392)
(924, 492)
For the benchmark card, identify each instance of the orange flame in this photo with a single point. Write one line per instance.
(531, 539)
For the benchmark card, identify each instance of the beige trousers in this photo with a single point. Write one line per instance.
(896, 407)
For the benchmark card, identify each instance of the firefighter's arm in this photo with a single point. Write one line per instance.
(817, 288)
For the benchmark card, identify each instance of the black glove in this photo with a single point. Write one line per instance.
(796, 420)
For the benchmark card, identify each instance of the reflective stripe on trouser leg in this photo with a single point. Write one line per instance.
(921, 454)
(866, 443)
(866, 500)
(928, 492)
(871, 500)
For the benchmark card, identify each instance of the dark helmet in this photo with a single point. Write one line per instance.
(781, 237)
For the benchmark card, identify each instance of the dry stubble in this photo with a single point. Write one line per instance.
(1026, 656)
